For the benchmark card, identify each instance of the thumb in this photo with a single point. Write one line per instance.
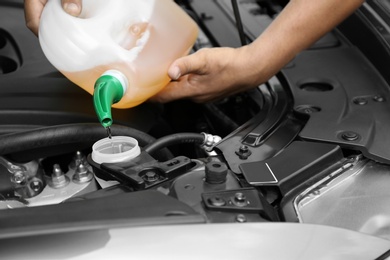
(191, 64)
(72, 7)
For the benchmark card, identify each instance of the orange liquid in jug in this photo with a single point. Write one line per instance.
(135, 94)
(171, 35)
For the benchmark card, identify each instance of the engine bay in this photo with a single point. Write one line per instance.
(308, 146)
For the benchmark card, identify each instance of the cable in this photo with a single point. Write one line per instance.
(180, 138)
(240, 27)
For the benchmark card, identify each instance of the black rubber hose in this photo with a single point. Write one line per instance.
(173, 139)
(219, 118)
(71, 136)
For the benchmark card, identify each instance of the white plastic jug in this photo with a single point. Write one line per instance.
(121, 47)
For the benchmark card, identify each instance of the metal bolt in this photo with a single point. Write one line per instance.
(78, 158)
(240, 218)
(239, 196)
(18, 178)
(82, 174)
(307, 109)
(57, 170)
(36, 185)
(379, 98)
(217, 201)
(349, 136)
(210, 141)
(244, 149)
(58, 178)
(361, 101)
(151, 176)
(243, 152)
(240, 199)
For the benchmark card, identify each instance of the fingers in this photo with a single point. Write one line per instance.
(175, 90)
(72, 7)
(33, 10)
(191, 64)
(194, 75)
(169, 93)
(186, 89)
(32, 13)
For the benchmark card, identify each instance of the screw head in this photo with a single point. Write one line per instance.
(217, 201)
(243, 152)
(361, 101)
(240, 218)
(18, 178)
(243, 149)
(36, 185)
(150, 176)
(349, 136)
(379, 98)
(240, 199)
(239, 196)
(308, 109)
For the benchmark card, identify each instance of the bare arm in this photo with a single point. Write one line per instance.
(213, 73)
(300, 24)
(33, 10)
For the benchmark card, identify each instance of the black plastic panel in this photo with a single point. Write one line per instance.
(128, 209)
(299, 162)
(220, 26)
(353, 111)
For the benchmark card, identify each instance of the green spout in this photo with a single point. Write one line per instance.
(108, 91)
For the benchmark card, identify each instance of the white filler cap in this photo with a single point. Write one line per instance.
(116, 149)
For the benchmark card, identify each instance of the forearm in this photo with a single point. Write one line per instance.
(299, 25)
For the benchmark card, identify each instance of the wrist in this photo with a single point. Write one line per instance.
(257, 64)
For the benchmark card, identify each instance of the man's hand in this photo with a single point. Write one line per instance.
(33, 10)
(210, 74)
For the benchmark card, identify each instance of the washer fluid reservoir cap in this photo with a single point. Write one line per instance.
(114, 150)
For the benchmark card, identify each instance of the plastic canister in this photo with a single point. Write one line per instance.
(123, 48)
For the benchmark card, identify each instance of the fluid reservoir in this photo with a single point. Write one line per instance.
(115, 149)
(118, 49)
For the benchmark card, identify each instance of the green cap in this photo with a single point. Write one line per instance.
(109, 89)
